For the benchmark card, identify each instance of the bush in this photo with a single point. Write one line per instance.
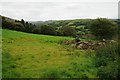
(103, 28)
(107, 61)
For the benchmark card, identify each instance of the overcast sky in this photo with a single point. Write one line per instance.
(36, 11)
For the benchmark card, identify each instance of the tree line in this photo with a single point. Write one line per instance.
(47, 29)
(100, 27)
(17, 25)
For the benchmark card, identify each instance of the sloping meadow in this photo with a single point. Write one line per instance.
(42, 56)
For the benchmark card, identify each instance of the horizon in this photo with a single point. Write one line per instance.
(55, 19)
(46, 11)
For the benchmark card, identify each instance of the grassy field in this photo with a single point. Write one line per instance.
(41, 56)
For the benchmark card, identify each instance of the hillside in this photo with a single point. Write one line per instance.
(41, 56)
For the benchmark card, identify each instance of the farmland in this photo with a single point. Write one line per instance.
(52, 40)
(42, 56)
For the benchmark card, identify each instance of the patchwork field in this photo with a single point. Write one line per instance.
(41, 56)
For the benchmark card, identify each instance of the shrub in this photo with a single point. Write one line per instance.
(107, 61)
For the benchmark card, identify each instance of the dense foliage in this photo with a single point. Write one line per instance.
(103, 28)
(68, 31)
(118, 22)
(17, 25)
(65, 27)
(60, 28)
(49, 30)
(107, 61)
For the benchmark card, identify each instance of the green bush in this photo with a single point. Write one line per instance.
(106, 60)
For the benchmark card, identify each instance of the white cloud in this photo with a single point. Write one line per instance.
(59, 10)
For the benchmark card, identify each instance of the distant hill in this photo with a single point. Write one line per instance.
(7, 18)
(79, 21)
(82, 21)
(80, 27)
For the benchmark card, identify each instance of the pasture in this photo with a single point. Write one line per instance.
(27, 55)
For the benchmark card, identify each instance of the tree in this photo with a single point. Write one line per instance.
(18, 26)
(36, 30)
(68, 31)
(23, 22)
(7, 24)
(118, 21)
(103, 28)
(28, 27)
(47, 29)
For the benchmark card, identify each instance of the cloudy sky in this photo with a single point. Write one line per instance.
(36, 11)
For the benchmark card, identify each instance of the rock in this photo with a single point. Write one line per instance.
(86, 44)
(103, 40)
(66, 42)
(73, 41)
(112, 41)
(80, 46)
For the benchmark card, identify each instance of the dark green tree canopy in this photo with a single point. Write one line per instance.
(49, 30)
(103, 28)
(68, 31)
(18, 26)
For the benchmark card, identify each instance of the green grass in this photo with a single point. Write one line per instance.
(41, 56)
